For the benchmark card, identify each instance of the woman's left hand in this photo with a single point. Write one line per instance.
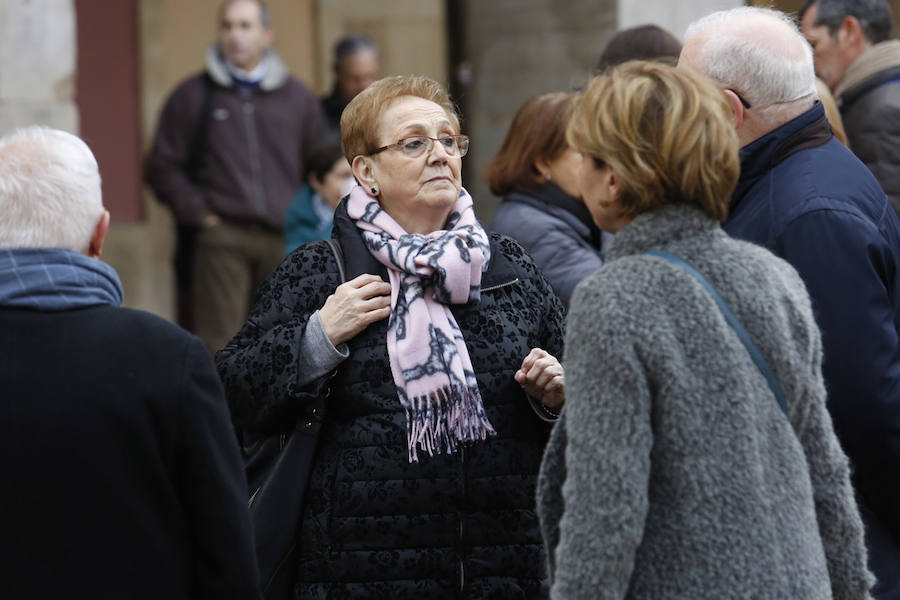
(541, 376)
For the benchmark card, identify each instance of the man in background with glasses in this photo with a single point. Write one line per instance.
(807, 198)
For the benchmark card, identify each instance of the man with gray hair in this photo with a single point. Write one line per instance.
(856, 57)
(123, 475)
(809, 200)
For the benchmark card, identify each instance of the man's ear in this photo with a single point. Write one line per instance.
(737, 108)
(363, 171)
(95, 247)
(850, 34)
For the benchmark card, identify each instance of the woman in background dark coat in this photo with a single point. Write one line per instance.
(537, 174)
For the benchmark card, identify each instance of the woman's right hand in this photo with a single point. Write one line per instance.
(355, 305)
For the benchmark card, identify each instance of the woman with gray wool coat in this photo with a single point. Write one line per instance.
(673, 472)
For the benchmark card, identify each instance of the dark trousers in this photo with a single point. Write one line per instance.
(230, 262)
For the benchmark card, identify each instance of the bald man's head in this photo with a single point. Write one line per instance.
(756, 52)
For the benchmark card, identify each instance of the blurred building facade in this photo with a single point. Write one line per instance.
(103, 69)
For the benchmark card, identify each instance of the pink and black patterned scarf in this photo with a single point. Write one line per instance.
(428, 355)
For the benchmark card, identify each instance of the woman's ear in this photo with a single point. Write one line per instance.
(543, 167)
(614, 183)
(363, 171)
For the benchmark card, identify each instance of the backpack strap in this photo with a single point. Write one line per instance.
(198, 139)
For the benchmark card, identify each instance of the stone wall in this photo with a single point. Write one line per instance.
(673, 16)
(516, 49)
(37, 64)
(411, 35)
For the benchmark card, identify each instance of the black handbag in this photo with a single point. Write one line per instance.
(278, 469)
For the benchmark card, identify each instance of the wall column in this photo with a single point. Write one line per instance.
(37, 65)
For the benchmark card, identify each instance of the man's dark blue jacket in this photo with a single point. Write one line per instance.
(806, 197)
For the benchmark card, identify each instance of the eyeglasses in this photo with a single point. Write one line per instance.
(759, 106)
(415, 146)
(741, 98)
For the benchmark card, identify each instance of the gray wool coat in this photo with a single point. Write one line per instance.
(673, 473)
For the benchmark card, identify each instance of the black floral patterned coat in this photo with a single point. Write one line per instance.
(375, 525)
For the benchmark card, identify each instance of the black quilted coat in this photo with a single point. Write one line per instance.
(375, 526)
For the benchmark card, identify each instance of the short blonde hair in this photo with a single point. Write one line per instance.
(360, 120)
(667, 132)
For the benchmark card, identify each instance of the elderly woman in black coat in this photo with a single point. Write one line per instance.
(423, 484)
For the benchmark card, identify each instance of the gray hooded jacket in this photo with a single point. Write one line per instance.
(557, 231)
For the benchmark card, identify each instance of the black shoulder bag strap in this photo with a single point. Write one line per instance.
(276, 505)
(755, 353)
(198, 140)
(338, 257)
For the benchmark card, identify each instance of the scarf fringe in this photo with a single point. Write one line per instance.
(437, 422)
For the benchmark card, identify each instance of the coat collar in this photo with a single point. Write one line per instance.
(658, 228)
(808, 130)
(853, 94)
(359, 260)
(877, 64)
(571, 210)
(275, 77)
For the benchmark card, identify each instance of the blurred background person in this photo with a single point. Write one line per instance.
(644, 42)
(329, 178)
(227, 158)
(855, 55)
(423, 483)
(673, 471)
(113, 426)
(356, 67)
(536, 173)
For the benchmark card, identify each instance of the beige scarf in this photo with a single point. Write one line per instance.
(879, 57)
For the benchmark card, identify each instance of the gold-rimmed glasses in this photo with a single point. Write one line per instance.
(416, 145)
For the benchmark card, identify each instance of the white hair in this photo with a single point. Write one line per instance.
(770, 71)
(49, 190)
